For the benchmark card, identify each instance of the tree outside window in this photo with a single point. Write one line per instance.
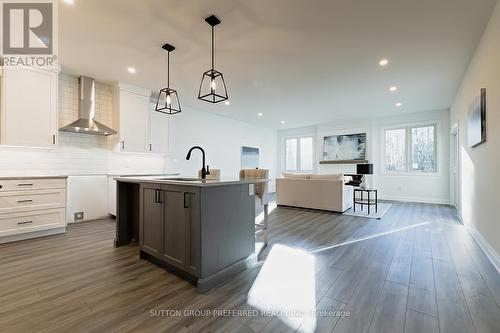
(411, 149)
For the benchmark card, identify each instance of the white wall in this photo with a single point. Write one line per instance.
(432, 188)
(479, 166)
(418, 187)
(222, 139)
(87, 194)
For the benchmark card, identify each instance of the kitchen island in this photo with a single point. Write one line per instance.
(202, 230)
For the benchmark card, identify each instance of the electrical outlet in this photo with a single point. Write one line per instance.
(78, 216)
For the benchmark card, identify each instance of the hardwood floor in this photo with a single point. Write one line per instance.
(416, 270)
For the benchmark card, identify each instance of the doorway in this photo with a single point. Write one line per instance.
(455, 167)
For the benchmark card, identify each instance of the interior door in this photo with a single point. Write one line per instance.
(455, 167)
(455, 170)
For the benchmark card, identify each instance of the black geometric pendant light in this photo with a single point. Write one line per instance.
(212, 86)
(168, 100)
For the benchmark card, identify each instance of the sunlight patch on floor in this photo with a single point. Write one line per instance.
(325, 248)
(285, 286)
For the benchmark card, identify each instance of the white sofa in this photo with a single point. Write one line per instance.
(314, 191)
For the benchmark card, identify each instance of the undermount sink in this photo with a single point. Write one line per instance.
(182, 179)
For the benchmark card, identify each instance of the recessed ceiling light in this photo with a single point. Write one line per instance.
(393, 88)
(131, 70)
(383, 62)
(282, 121)
(399, 104)
(69, 2)
(227, 103)
(260, 114)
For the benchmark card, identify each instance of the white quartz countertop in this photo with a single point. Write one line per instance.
(187, 181)
(144, 174)
(32, 177)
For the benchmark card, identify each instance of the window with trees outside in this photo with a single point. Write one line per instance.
(412, 148)
(299, 154)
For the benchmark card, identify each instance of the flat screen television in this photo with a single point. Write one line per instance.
(476, 131)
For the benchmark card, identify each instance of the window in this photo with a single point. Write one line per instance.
(299, 154)
(291, 154)
(423, 148)
(411, 149)
(306, 154)
(395, 150)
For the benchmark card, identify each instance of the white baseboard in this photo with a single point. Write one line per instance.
(104, 217)
(491, 254)
(415, 199)
(35, 234)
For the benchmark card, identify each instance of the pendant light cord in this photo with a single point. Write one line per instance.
(213, 47)
(168, 70)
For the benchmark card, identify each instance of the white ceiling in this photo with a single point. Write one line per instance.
(303, 61)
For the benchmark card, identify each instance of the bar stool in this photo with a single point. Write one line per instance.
(261, 192)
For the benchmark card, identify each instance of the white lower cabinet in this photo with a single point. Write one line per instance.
(32, 200)
(112, 195)
(31, 207)
(17, 223)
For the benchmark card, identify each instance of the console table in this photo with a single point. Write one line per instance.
(370, 200)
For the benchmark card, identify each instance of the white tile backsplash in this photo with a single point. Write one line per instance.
(78, 154)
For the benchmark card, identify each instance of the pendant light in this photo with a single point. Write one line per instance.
(168, 100)
(212, 87)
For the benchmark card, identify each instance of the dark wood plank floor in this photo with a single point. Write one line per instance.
(416, 270)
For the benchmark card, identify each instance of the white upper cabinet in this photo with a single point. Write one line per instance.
(158, 131)
(29, 107)
(131, 118)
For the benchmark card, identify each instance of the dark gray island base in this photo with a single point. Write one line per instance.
(201, 230)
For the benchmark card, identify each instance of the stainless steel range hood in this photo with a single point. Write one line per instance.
(86, 123)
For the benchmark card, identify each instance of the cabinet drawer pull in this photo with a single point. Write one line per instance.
(158, 196)
(24, 201)
(24, 222)
(123, 145)
(25, 184)
(186, 200)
